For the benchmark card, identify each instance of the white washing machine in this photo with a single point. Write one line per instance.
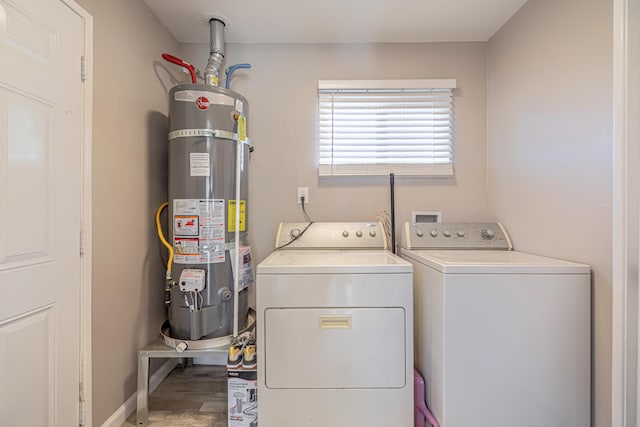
(501, 337)
(334, 329)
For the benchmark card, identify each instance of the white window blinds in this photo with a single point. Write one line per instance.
(376, 127)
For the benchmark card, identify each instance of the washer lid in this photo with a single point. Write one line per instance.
(305, 261)
(493, 262)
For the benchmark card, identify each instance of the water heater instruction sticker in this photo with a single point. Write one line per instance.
(199, 231)
(199, 164)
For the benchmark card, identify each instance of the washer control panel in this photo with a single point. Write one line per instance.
(331, 235)
(460, 235)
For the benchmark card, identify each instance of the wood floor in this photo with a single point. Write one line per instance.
(193, 397)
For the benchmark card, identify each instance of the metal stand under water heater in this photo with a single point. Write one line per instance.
(208, 281)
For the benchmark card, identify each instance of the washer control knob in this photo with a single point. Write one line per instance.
(447, 233)
(487, 234)
(434, 233)
(295, 232)
(359, 233)
(372, 233)
(419, 233)
(345, 233)
(460, 233)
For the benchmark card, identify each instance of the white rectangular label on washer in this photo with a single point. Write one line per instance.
(199, 164)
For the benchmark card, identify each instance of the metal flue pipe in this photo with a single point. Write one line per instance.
(216, 52)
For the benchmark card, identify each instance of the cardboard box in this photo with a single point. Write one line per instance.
(242, 389)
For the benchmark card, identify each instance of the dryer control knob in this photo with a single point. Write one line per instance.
(345, 233)
(460, 233)
(487, 234)
(359, 233)
(372, 233)
(447, 233)
(295, 232)
(419, 233)
(434, 233)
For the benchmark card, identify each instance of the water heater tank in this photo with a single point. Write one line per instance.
(207, 127)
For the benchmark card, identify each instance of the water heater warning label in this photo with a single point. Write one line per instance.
(185, 225)
(199, 231)
(232, 215)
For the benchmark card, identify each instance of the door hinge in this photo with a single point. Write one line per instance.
(83, 69)
(83, 240)
(81, 413)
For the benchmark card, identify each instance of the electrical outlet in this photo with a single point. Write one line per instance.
(303, 192)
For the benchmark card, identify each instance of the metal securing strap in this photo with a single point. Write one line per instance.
(210, 133)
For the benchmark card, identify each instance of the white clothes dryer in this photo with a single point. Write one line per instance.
(334, 329)
(501, 337)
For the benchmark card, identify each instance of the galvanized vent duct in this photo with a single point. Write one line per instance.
(216, 52)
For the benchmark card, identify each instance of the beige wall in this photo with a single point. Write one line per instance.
(550, 147)
(281, 89)
(129, 182)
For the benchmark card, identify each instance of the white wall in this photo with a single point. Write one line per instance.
(282, 91)
(550, 148)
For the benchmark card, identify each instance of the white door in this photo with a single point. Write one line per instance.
(40, 196)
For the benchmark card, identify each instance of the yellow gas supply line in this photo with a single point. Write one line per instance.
(163, 240)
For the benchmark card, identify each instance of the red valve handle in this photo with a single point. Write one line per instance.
(180, 62)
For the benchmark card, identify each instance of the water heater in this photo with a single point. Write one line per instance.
(209, 270)
(207, 132)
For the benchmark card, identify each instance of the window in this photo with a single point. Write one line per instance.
(376, 127)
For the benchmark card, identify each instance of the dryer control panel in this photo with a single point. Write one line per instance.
(331, 235)
(459, 235)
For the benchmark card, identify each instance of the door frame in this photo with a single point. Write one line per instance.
(625, 383)
(84, 298)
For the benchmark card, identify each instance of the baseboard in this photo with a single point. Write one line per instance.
(123, 412)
